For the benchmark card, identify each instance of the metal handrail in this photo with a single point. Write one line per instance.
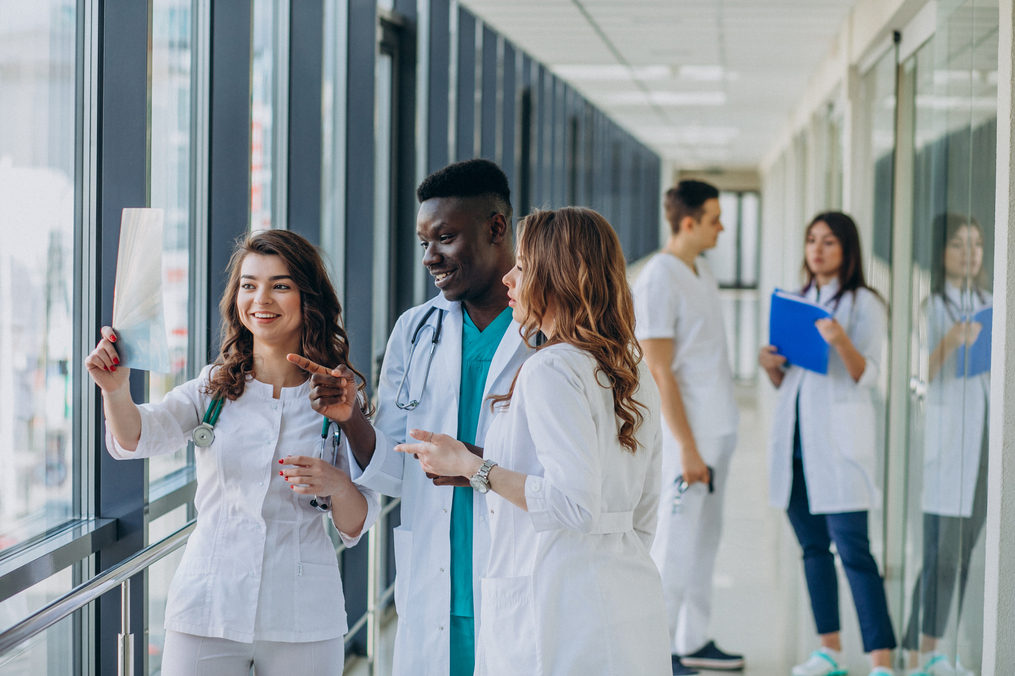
(85, 593)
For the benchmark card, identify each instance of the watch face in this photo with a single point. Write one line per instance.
(479, 485)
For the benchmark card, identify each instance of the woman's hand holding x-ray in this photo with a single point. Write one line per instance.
(441, 455)
(333, 392)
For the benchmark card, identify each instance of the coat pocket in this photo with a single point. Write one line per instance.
(402, 540)
(319, 591)
(189, 599)
(507, 643)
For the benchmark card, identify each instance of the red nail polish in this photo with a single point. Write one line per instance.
(280, 461)
(116, 361)
(112, 338)
(112, 368)
(280, 473)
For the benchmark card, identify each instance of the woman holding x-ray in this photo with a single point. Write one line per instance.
(259, 582)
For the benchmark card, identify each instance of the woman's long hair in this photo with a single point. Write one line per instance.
(851, 270)
(573, 261)
(324, 338)
(943, 229)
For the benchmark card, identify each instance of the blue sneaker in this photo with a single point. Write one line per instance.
(710, 657)
(679, 669)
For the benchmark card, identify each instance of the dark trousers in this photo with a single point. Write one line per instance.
(848, 530)
(948, 543)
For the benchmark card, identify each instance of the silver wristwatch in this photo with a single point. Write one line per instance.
(481, 479)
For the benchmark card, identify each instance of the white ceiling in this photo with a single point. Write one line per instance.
(706, 83)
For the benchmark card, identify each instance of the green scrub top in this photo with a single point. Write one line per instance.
(478, 348)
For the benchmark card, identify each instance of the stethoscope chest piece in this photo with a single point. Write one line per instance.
(204, 435)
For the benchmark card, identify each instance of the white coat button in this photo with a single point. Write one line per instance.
(441, 627)
(257, 526)
(445, 511)
(442, 570)
(536, 486)
(260, 483)
(274, 407)
(482, 518)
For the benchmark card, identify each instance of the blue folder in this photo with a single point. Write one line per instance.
(791, 330)
(978, 360)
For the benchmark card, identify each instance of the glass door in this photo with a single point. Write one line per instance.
(954, 140)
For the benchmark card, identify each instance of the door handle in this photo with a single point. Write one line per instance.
(918, 387)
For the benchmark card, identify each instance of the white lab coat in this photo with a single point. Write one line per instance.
(259, 565)
(837, 416)
(955, 411)
(422, 541)
(570, 588)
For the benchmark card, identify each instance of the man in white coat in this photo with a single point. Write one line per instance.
(442, 544)
(680, 329)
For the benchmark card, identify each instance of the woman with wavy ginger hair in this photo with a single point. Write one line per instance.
(573, 460)
(259, 582)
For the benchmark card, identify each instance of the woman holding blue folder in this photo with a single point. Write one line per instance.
(955, 434)
(822, 451)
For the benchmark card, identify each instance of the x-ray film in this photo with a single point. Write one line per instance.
(138, 316)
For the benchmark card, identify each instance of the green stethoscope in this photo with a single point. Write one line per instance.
(204, 436)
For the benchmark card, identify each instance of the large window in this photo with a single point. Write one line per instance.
(37, 184)
(172, 27)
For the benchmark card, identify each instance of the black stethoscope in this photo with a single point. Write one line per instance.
(435, 338)
(204, 436)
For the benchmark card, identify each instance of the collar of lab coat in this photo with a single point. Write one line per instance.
(451, 353)
(825, 293)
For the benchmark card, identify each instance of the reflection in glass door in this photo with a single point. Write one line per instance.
(950, 313)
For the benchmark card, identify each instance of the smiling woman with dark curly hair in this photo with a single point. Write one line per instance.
(259, 582)
(572, 462)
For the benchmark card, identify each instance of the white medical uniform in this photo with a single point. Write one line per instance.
(422, 541)
(570, 587)
(837, 417)
(259, 566)
(673, 302)
(956, 409)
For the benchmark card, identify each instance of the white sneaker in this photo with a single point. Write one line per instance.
(938, 664)
(822, 662)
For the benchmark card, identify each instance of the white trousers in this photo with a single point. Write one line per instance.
(189, 655)
(686, 542)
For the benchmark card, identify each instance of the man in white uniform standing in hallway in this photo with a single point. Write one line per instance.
(680, 328)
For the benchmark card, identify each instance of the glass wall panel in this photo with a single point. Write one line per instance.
(37, 184)
(51, 652)
(953, 227)
(160, 576)
(873, 214)
(262, 106)
(170, 191)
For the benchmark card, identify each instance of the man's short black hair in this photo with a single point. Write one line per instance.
(470, 178)
(687, 199)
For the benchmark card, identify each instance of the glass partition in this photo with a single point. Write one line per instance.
(950, 314)
(172, 26)
(37, 191)
(262, 108)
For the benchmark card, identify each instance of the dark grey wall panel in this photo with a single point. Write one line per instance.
(490, 87)
(539, 151)
(359, 241)
(122, 165)
(229, 151)
(509, 147)
(306, 64)
(438, 82)
(465, 104)
(359, 217)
